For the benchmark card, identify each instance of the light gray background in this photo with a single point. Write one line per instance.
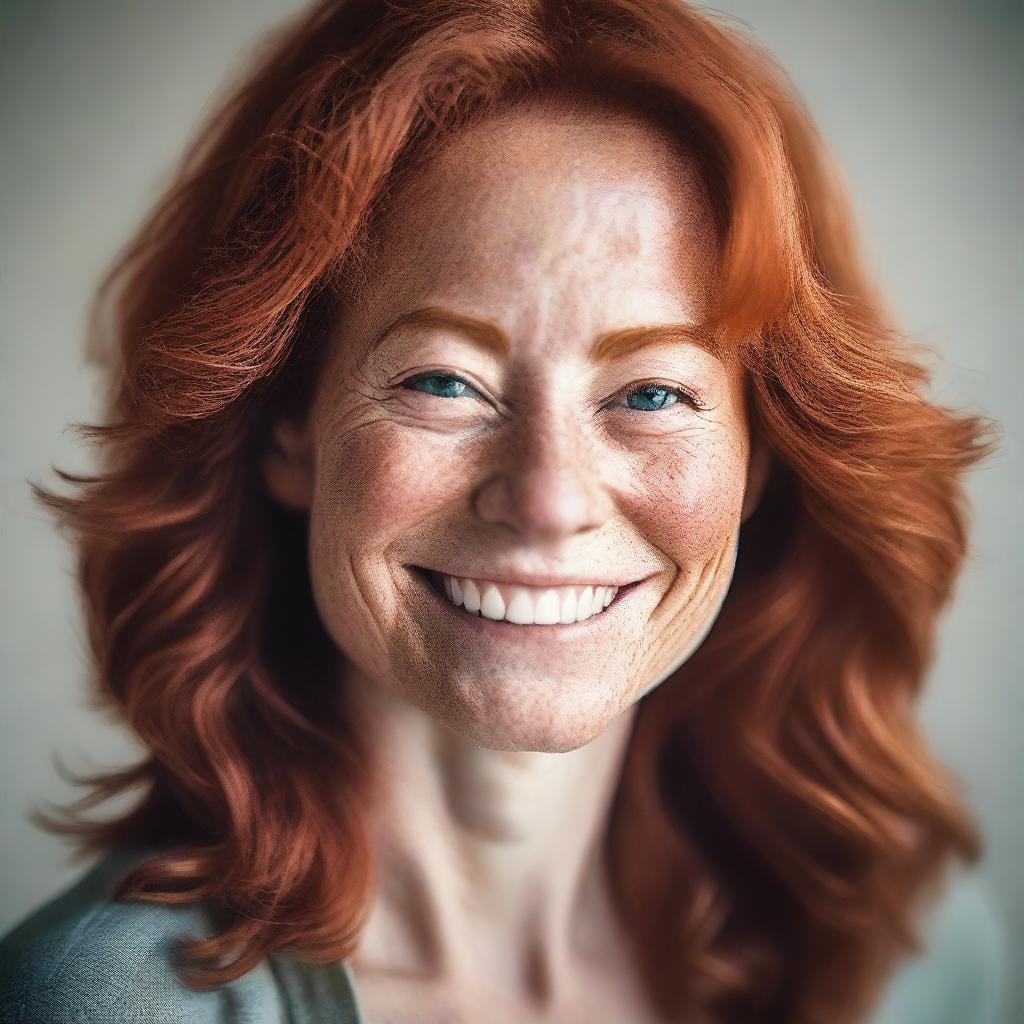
(921, 102)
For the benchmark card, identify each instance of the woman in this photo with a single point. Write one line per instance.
(482, 358)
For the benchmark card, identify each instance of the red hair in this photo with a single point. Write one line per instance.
(779, 817)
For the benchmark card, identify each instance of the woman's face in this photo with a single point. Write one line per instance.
(502, 432)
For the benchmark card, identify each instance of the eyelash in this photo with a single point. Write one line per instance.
(682, 393)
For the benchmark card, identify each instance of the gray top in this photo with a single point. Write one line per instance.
(84, 958)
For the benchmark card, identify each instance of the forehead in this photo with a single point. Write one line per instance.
(531, 193)
(548, 151)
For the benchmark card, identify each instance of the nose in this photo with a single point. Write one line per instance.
(547, 485)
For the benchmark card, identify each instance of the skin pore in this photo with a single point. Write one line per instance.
(500, 748)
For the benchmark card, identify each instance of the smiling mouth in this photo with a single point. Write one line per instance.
(435, 581)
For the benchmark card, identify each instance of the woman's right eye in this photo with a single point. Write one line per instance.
(449, 387)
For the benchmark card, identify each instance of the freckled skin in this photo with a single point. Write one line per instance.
(557, 230)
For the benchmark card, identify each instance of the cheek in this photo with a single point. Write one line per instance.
(693, 497)
(376, 481)
(373, 487)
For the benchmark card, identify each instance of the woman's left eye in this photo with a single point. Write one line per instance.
(654, 397)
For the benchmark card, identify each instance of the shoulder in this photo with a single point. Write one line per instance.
(960, 973)
(85, 957)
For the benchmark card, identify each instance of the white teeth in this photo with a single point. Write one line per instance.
(526, 606)
(470, 596)
(493, 604)
(546, 611)
(520, 608)
(567, 613)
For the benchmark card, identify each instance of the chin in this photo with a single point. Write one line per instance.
(527, 726)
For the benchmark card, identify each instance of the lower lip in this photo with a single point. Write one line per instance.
(513, 630)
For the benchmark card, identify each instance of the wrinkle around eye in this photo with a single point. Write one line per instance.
(621, 426)
(423, 417)
(356, 417)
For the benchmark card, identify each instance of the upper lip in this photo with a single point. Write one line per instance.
(537, 580)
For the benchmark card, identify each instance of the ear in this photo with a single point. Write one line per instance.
(759, 467)
(287, 466)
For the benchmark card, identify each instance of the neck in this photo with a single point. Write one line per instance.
(490, 863)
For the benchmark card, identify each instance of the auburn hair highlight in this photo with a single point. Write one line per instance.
(779, 819)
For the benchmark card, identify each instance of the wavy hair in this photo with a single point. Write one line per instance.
(779, 818)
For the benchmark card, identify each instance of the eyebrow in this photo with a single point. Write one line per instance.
(610, 345)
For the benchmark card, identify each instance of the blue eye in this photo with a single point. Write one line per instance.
(655, 397)
(452, 387)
